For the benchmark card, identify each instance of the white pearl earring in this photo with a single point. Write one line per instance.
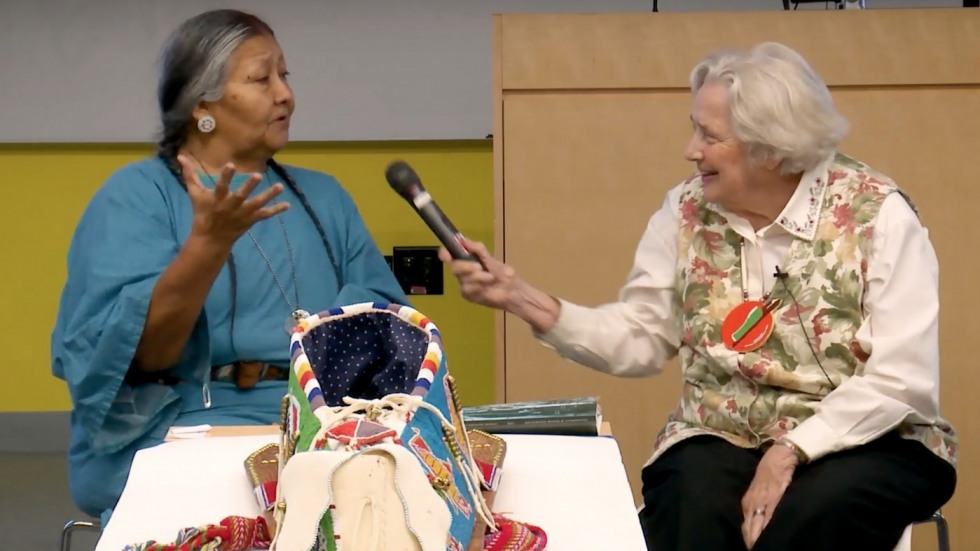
(205, 124)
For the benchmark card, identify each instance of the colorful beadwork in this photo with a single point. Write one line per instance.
(514, 536)
(441, 474)
(232, 534)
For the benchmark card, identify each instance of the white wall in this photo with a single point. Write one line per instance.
(85, 70)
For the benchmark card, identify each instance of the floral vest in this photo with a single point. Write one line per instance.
(754, 398)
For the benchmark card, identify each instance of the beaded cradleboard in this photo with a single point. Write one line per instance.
(373, 451)
(386, 469)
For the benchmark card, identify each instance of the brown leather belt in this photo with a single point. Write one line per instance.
(246, 375)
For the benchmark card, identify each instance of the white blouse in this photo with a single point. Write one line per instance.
(634, 336)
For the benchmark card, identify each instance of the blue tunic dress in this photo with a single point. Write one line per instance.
(128, 235)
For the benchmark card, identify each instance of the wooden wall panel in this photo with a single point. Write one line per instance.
(658, 50)
(593, 118)
(591, 169)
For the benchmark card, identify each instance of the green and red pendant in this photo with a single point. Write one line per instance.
(748, 325)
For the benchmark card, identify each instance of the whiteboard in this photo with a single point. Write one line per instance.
(86, 70)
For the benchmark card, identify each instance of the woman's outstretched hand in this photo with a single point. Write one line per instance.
(224, 215)
(498, 286)
(494, 287)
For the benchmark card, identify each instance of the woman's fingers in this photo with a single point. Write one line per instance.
(263, 198)
(471, 271)
(756, 525)
(477, 248)
(246, 189)
(444, 255)
(191, 181)
(270, 211)
(481, 278)
(223, 184)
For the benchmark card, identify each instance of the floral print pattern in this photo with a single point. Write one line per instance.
(755, 398)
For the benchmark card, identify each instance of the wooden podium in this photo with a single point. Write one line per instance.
(591, 118)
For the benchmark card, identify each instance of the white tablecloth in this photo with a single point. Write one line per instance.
(575, 488)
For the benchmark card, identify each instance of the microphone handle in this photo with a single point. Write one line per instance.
(444, 230)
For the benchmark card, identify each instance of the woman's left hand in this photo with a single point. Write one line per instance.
(772, 477)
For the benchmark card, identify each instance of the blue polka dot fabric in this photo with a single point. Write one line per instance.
(367, 356)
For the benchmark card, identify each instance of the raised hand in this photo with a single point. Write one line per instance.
(224, 215)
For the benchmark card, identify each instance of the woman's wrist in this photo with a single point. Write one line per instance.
(539, 309)
(800, 454)
(209, 246)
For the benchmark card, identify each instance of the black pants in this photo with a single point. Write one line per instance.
(861, 498)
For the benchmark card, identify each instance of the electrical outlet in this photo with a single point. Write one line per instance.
(418, 270)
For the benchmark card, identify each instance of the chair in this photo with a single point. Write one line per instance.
(72, 525)
(942, 533)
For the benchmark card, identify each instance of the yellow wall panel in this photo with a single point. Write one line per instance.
(46, 187)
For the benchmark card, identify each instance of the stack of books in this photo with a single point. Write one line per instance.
(568, 416)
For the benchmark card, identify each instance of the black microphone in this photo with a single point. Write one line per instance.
(403, 179)
(780, 274)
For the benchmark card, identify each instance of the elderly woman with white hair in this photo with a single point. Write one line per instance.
(800, 292)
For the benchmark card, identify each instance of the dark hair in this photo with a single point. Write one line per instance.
(194, 68)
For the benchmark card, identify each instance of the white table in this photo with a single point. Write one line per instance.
(575, 488)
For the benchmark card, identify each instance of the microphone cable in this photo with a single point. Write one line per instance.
(782, 276)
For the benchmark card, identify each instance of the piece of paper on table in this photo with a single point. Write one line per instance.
(181, 484)
(196, 431)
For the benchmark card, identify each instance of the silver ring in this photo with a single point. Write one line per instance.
(760, 511)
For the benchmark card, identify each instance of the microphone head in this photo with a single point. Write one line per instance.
(402, 178)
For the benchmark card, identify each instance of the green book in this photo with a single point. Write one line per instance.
(568, 416)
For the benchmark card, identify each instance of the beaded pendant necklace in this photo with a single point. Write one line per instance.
(748, 326)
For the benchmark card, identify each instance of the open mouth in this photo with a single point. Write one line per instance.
(708, 174)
